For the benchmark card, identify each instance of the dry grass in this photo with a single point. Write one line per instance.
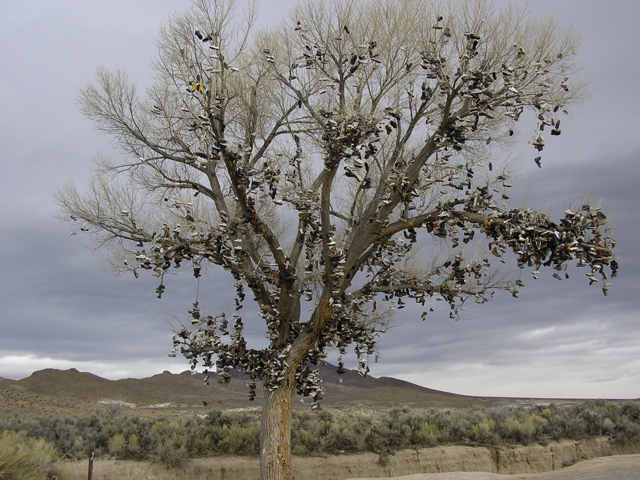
(202, 468)
(26, 458)
(112, 469)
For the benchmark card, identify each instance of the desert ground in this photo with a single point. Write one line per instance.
(566, 460)
(618, 467)
(58, 393)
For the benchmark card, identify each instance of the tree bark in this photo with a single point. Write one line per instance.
(275, 433)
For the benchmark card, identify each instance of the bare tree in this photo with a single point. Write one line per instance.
(309, 160)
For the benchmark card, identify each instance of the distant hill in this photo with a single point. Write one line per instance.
(18, 400)
(52, 391)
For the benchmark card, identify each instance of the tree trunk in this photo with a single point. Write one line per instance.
(275, 434)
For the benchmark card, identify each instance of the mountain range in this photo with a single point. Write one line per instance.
(69, 392)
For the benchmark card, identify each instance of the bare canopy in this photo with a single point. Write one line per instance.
(311, 160)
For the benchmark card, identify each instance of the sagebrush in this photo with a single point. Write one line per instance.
(173, 440)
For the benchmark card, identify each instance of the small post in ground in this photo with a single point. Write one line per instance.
(90, 476)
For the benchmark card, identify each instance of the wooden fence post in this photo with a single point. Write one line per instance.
(90, 464)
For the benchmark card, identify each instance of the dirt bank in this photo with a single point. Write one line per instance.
(618, 467)
(499, 460)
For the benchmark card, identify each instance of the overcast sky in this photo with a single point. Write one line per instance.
(60, 309)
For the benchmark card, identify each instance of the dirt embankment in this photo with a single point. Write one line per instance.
(503, 460)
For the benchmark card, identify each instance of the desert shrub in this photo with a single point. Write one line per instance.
(392, 433)
(420, 429)
(25, 458)
(631, 411)
(328, 433)
(575, 428)
(172, 440)
(134, 449)
(627, 431)
(518, 430)
(456, 426)
(412, 426)
(41, 453)
(526, 429)
(303, 437)
(169, 439)
(522, 425)
(226, 433)
(360, 427)
(169, 454)
(198, 442)
(15, 465)
(401, 428)
(217, 418)
(57, 431)
(305, 442)
(484, 432)
(430, 435)
(558, 424)
(590, 421)
(241, 439)
(118, 445)
(324, 433)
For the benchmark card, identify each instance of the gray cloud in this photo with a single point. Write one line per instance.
(60, 309)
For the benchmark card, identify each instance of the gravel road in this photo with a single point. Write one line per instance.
(620, 467)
